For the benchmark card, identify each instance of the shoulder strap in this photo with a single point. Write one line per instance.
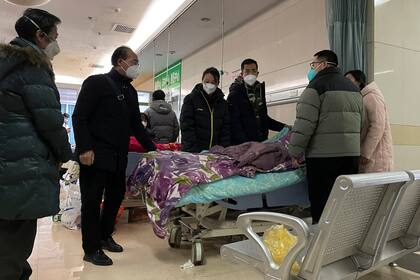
(115, 88)
(120, 96)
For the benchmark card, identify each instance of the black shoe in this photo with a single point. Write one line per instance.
(98, 258)
(110, 245)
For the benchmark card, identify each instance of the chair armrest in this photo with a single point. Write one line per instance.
(244, 222)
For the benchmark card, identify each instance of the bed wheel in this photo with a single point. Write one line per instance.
(197, 253)
(393, 264)
(175, 237)
(56, 218)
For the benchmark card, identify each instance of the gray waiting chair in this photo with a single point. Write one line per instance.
(402, 239)
(350, 237)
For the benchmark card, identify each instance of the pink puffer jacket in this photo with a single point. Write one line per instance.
(376, 132)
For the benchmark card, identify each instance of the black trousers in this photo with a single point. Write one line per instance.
(16, 243)
(97, 225)
(321, 174)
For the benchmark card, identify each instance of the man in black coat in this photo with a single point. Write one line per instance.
(249, 120)
(106, 115)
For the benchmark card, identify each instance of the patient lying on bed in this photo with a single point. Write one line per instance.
(167, 175)
(263, 156)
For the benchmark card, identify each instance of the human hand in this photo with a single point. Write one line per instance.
(295, 163)
(363, 160)
(87, 158)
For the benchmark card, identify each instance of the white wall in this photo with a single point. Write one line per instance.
(397, 61)
(282, 40)
(284, 113)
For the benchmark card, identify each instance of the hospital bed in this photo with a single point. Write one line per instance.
(206, 210)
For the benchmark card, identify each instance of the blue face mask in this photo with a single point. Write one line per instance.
(311, 74)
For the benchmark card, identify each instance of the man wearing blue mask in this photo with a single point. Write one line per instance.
(106, 115)
(327, 128)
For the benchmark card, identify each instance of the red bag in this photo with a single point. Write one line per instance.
(135, 146)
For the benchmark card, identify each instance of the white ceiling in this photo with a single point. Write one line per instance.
(188, 33)
(85, 35)
(83, 41)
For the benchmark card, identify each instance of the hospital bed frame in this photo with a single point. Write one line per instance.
(198, 222)
(370, 220)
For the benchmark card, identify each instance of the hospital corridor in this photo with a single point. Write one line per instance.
(209, 139)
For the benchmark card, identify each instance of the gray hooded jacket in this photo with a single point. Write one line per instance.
(163, 122)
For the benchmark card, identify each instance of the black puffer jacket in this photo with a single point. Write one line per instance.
(32, 137)
(244, 125)
(204, 121)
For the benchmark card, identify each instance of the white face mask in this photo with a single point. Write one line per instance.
(144, 124)
(133, 71)
(209, 88)
(52, 49)
(250, 79)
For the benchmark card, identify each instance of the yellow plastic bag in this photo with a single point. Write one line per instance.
(279, 242)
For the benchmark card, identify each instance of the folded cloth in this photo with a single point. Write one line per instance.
(264, 156)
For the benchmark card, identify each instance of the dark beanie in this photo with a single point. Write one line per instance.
(158, 95)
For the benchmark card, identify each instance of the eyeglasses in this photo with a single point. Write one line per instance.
(312, 64)
(135, 63)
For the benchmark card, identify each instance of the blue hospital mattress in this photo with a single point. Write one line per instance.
(241, 186)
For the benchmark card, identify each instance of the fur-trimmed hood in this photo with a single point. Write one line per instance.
(21, 51)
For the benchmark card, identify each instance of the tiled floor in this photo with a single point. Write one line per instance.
(58, 255)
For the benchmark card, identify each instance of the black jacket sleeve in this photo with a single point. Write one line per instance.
(175, 127)
(43, 103)
(236, 128)
(225, 140)
(188, 126)
(273, 124)
(137, 128)
(85, 107)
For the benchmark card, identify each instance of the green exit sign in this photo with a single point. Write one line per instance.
(169, 78)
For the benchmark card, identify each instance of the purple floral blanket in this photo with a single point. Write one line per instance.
(167, 176)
